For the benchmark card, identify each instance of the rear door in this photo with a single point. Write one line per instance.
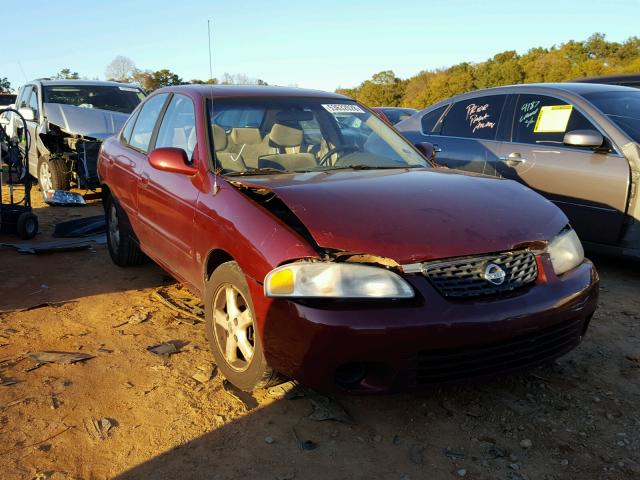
(590, 187)
(466, 138)
(167, 200)
(29, 99)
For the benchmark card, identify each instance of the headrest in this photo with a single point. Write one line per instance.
(284, 136)
(219, 137)
(245, 136)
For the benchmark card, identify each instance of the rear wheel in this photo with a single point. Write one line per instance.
(52, 174)
(232, 330)
(124, 251)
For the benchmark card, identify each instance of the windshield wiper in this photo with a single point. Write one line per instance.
(373, 167)
(257, 171)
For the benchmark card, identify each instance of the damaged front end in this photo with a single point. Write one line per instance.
(72, 136)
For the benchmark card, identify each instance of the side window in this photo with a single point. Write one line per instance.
(430, 120)
(178, 128)
(33, 101)
(128, 126)
(147, 118)
(475, 118)
(541, 119)
(24, 97)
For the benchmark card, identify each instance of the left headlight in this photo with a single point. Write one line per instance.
(566, 251)
(335, 280)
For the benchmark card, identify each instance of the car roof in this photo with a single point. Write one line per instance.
(47, 82)
(579, 89)
(250, 91)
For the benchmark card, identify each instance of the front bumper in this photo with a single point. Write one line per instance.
(413, 344)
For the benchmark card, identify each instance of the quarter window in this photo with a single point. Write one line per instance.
(475, 118)
(143, 129)
(540, 119)
(178, 128)
(431, 119)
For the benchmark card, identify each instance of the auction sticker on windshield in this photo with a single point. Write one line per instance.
(342, 108)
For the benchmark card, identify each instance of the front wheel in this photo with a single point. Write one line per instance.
(232, 330)
(53, 174)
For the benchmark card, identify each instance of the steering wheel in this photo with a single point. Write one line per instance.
(343, 148)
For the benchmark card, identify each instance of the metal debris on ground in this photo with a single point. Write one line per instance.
(62, 245)
(180, 300)
(7, 381)
(326, 408)
(101, 427)
(453, 454)
(65, 358)
(164, 349)
(81, 227)
(204, 375)
(138, 317)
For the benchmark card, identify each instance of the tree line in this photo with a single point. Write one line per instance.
(571, 60)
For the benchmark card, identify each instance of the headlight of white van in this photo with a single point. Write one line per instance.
(335, 280)
(566, 251)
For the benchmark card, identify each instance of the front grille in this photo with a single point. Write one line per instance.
(465, 277)
(437, 366)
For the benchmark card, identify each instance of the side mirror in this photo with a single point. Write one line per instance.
(171, 159)
(28, 114)
(426, 149)
(583, 138)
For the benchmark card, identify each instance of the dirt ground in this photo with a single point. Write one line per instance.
(576, 419)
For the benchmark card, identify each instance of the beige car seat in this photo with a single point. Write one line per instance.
(248, 143)
(225, 159)
(287, 141)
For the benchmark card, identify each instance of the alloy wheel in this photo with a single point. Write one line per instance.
(233, 326)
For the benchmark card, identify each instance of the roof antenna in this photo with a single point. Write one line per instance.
(215, 158)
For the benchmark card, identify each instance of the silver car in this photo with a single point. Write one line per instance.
(67, 121)
(578, 144)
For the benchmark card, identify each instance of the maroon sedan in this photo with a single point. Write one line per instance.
(328, 249)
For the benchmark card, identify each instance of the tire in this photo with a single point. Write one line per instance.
(247, 373)
(27, 225)
(53, 174)
(124, 251)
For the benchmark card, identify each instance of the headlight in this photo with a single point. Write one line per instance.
(334, 280)
(566, 251)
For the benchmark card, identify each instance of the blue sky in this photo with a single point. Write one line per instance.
(323, 44)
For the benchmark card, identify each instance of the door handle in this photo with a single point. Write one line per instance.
(514, 158)
(144, 179)
(436, 148)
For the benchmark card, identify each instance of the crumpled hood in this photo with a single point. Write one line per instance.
(89, 122)
(414, 215)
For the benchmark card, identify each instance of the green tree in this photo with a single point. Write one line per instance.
(5, 84)
(66, 74)
(151, 81)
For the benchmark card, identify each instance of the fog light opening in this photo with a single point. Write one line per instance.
(350, 374)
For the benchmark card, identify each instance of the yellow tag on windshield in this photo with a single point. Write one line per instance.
(553, 118)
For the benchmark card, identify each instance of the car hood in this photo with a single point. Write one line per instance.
(88, 122)
(414, 215)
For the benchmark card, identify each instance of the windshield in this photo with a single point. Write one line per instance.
(7, 100)
(256, 136)
(623, 108)
(104, 97)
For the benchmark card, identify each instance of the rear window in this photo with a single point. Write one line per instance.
(104, 97)
(475, 118)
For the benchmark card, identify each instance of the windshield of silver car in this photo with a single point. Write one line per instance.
(259, 136)
(622, 107)
(103, 97)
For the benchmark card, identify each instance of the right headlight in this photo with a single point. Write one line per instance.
(566, 251)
